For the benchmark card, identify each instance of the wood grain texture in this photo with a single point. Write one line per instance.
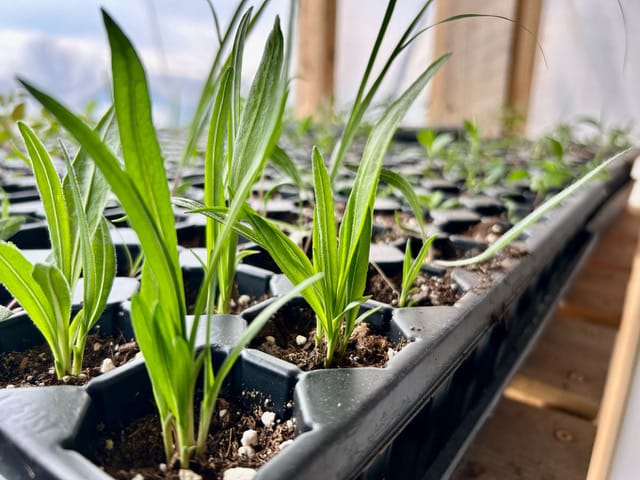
(616, 407)
(571, 358)
(524, 442)
(474, 83)
(523, 55)
(539, 394)
(567, 372)
(316, 56)
(598, 293)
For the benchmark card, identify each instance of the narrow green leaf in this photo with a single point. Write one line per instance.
(94, 188)
(259, 117)
(399, 182)
(53, 201)
(56, 288)
(236, 66)
(411, 270)
(514, 232)
(143, 160)
(363, 100)
(144, 322)
(214, 194)
(325, 237)
(10, 226)
(105, 272)
(163, 261)
(210, 84)
(15, 274)
(285, 163)
(251, 147)
(365, 184)
(356, 270)
(83, 235)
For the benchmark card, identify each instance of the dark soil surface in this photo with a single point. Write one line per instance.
(137, 449)
(290, 336)
(239, 302)
(428, 289)
(387, 230)
(488, 230)
(500, 261)
(34, 367)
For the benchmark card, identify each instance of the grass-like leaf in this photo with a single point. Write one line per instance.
(10, 226)
(519, 228)
(365, 96)
(343, 256)
(411, 269)
(15, 274)
(45, 290)
(158, 309)
(98, 267)
(55, 286)
(143, 160)
(53, 201)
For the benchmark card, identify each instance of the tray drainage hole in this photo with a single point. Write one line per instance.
(563, 435)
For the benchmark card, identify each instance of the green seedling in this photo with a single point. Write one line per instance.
(80, 244)
(158, 311)
(366, 93)
(211, 84)
(235, 159)
(341, 253)
(9, 225)
(519, 228)
(437, 199)
(434, 143)
(411, 269)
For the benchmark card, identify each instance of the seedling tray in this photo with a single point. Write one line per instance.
(410, 419)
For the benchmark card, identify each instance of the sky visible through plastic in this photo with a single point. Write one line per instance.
(60, 45)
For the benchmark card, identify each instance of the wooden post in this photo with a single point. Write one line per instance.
(523, 56)
(623, 370)
(316, 56)
(492, 62)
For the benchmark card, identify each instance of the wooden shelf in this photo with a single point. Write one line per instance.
(524, 442)
(544, 426)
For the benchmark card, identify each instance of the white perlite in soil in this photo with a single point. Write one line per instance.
(239, 473)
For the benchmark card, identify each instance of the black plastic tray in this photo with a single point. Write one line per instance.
(410, 419)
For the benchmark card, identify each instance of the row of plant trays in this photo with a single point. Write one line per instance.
(409, 419)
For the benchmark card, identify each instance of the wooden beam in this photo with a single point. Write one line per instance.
(523, 54)
(539, 394)
(598, 293)
(572, 356)
(624, 364)
(316, 56)
(522, 442)
(473, 83)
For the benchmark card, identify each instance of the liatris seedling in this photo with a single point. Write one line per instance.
(80, 244)
(158, 310)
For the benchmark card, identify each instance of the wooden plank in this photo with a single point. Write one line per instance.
(598, 293)
(316, 57)
(523, 442)
(624, 367)
(542, 395)
(593, 299)
(571, 360)
(524, 50)
(473, 84)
